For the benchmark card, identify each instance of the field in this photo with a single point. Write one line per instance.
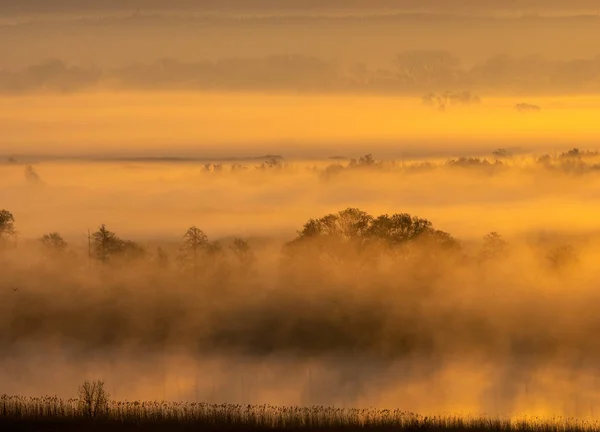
(54, 414)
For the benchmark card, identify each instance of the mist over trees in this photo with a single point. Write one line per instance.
(438, 74)
(348, 282)
(350, 238)
(499, 161)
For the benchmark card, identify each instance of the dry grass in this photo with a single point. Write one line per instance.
(51, 413)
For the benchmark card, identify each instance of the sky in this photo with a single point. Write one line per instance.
(25, 6)
(291, 76)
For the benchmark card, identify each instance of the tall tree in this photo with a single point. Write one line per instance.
(104, 243)
(194, 241)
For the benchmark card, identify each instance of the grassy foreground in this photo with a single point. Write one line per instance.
(54, 414)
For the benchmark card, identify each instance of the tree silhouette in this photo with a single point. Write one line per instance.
(130, 250)
(7, 226)
(352, 234)
(214, 250)
(502, 153)
(398, 228)
(194, 241)
(427, 67)
(347, 224)
(574, 153)
(162, 258)
(270, 164)
(31, 175)
(243, 253)
(105, 243)
(364, 161)
(442, 101)
(525, 107)
(561, 257)
(93, 398)
(53, 243)
(494, 245)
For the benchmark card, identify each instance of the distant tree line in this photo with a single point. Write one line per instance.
(410, 72)
(348, 236)
(573, 161)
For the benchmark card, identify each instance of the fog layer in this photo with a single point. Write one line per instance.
(495, 326)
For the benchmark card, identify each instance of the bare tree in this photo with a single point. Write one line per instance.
(93, 398)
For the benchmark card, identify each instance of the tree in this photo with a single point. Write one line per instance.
(353, 234)
(7, 226)
(242, 251)
(561, 257)
(364, 161)
(53, 243)
(214, 249)
(441, 101)
(105, 243)
(31, 175)
(502, 153)
(128, 249)
(427, 67)
(574, 153)
(399, 228)
(93, 398)
(162, 258)
(494, 245)
(194, 240)
(270, 164)
(525, 107)
(347, 224)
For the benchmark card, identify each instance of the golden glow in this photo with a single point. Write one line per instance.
(88, 123)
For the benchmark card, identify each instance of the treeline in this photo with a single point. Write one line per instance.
(391, 286)
(574, 161)
(350, 237)
(412, 73)
(105, 247)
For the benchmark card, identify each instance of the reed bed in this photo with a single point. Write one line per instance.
(52, 413)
